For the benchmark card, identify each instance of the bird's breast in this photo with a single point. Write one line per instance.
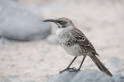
(67, 41)
(62, 35)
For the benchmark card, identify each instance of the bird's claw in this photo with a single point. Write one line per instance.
(73, 69)
(70, 69)
(62, 71)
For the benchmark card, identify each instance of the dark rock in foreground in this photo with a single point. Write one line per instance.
(18, 23)
(87, 75)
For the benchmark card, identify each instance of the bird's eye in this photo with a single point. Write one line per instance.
(61, 22)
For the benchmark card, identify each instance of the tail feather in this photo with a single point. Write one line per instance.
(100, 65)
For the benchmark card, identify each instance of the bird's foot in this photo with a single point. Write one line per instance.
(73, 69)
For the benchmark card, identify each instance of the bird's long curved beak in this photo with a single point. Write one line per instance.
(49, 20)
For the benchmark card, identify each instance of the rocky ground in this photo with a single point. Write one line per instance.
(37, 61)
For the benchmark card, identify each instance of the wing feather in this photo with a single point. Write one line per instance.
(82, 40)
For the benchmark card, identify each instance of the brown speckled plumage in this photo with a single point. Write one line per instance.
(76, 43)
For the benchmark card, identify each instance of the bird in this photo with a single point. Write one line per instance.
(76, 44)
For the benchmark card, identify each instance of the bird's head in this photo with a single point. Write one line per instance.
(61, 22)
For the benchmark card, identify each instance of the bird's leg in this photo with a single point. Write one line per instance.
(69, 66)
(80, 64)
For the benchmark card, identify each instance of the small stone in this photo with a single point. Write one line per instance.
(52, 39)
(53, 30)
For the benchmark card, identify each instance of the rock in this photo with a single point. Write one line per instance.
(63, 77)
(18, 23)
(91, 75)
(115, 64)
(87, 75)
(122, 73)
(118, 78)
(52, 39)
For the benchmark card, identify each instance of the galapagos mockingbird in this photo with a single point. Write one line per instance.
(76, 43)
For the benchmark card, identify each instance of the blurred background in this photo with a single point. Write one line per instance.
(29, 51)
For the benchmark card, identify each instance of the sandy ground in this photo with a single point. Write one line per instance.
(37, 61)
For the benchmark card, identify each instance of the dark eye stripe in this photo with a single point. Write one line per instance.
(61, 21)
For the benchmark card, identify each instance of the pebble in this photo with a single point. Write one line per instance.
(52, 39)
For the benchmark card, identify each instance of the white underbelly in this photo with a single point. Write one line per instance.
(74, 50)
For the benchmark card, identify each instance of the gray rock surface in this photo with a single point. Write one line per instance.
(64, 77)
(19, 23)
(115, 64)
(87, 75)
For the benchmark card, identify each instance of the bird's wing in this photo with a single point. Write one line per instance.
(82, 40)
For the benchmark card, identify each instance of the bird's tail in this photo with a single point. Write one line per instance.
(100, 65)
